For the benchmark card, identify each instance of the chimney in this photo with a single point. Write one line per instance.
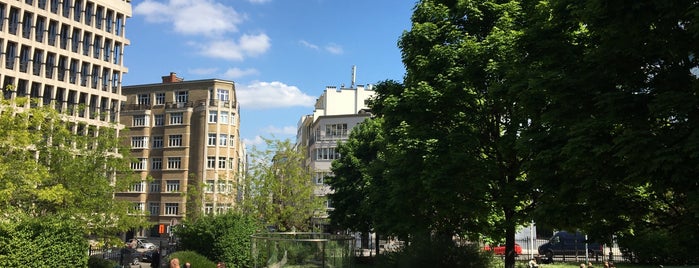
(172, 78)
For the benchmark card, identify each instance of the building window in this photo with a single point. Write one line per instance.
(209, 187)
(87, 41)
(89, 6)
(224, 117)
(326, 154)
(176, 118)
(212, 139)
(181, 96)
(154, 208)
(175, 141)
(230, 187)
(172, 208)
(159, 119)
(222, 162)
(97, 48)
(319, 177)
(213, 116)
(211, 162)
(209, 208)
(157, 163)
(138, 187)
(231, 162)
(27, 24)
(109, 23)
(221, 186)
(223, 94)
(223, 139)
(174, 163)
(336, 130)
(138, 207)
(160, 98)
(154, 186)
(10, 54)
(143, 99)
(158, 142)
(140, 120)
(172, 186)
(139, 142)
(139, 164)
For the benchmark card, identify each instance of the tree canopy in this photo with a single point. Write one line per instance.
(518, 110)
(280, 189)
(58, 170)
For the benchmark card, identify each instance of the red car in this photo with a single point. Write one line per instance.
(500, 249)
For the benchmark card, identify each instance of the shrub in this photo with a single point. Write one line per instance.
(658, 246)
(98, 262)
(48, 241)
(222, 237)
(436, 254)
(195, 259)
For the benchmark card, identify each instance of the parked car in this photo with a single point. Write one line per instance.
(140, 243)
(567, 243)
(500, 249)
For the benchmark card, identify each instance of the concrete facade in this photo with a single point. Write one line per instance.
(66, 54)
(336, 112)
(183, 134)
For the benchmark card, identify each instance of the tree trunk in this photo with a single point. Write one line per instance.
(509, 240)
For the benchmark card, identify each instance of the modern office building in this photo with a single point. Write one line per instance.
(185, 140)
(336, 112)
(66, 54)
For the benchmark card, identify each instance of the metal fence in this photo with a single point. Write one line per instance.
(123, 256)
(530, 250)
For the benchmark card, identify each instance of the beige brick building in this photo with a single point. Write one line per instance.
(183, 134)
(67, 54)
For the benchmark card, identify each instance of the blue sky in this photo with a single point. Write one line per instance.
(280, 53)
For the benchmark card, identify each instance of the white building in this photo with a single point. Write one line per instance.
(336, 112)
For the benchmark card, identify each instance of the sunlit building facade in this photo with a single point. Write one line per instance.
(186, 146)
(335, 113)
(66, 54)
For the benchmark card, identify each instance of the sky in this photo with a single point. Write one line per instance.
(281, 54)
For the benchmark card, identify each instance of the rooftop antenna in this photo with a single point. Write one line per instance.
(354, 75)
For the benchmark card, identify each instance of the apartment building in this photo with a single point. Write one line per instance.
(336, 112)
(185, 140)
(67, 54)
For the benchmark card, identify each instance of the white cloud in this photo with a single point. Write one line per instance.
(269, 95)
(330, 48)
(334, 49)
(193, 17)
(259, 1)
(235, 73)
(247, 45)
(308, 45)
(254, 142)
(287, 130)
(254, 44)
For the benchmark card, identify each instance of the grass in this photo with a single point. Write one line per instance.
(565, 265)
(620, 265)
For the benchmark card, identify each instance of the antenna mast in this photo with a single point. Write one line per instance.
(354, 75)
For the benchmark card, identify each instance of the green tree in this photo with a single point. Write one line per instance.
(357, 182)
(612, 93)
(50, 172)
(452, 130)
(281, 190)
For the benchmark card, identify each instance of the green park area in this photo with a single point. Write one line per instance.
(574, 115)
